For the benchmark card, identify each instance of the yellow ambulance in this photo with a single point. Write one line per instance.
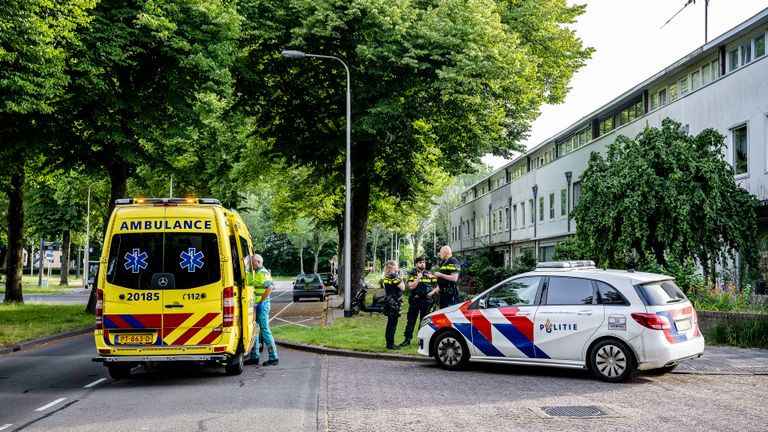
(172, 286)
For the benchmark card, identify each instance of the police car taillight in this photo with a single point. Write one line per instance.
(99, 309)
(652, 321)
(229, 307)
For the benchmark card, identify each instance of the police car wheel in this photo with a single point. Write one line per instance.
(119, 371)
(451, 351)
(612, 361)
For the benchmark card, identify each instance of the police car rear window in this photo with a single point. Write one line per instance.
(192, 259)
(660, 293)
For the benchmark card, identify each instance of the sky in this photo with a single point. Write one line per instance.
(630, 47)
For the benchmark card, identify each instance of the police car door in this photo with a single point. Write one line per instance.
(567, 318)
(503, 323)
(192, 313)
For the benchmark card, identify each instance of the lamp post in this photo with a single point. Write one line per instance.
(88, 236)
(348, 176)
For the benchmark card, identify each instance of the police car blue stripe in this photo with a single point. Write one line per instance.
(471, 333)
(519, 340)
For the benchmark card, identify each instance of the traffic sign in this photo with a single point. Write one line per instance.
(49, 256)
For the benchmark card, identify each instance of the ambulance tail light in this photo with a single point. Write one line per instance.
(99, 309)
(229, 307)
(652, 321)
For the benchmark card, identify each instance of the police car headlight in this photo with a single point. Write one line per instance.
(426, 321)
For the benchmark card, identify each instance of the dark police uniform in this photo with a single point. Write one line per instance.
(418, 302)
(449, 291)
(392, 306)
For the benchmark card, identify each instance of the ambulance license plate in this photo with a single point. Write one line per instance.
(683, 325)
(134, 339)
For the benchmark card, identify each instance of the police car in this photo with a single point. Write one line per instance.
(570, 315)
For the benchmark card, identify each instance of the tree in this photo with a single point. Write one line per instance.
(35, 44)
(150, 83)
(435, 84)
(317, 240)
(662, 198)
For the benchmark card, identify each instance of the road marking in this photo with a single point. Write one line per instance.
(294, 323)
(95, 382)
(281, 311)
(6, 426)
(45, 407)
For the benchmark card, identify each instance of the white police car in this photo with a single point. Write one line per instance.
(570, 315)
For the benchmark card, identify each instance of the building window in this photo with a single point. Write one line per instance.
(706, 76)
(514, 216)
(673, 92)
(563, 202)
(683, 86)
(506, 218)
(532, 211)
(715, 66)
(746, 53)
(733, 60)
(493, 227)
(695, 80)
(541, 208)
(606, 125)
(522, 214)
(576, 193)
(740, 150)
(760, 46)
(662, 97)
(552, 205)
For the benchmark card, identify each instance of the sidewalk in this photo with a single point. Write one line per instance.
(717, 360)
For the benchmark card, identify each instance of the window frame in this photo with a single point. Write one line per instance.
(545, 291)
(734, 151)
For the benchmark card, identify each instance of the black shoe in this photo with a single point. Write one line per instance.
(405, 343)
(393, 347)
(272, 362)
(252, 361)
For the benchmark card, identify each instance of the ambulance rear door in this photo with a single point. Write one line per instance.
(192, 297)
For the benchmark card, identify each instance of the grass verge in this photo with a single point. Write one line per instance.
(19, 323)
(363, 332)
(744, 334)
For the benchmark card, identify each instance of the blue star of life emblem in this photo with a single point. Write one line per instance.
(191, 260)
(136, 261)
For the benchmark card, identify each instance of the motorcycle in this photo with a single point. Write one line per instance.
(359, 302)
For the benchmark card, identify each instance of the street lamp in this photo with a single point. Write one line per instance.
(88, 236)
(348, 176)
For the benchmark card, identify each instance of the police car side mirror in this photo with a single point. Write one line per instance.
(482, 303)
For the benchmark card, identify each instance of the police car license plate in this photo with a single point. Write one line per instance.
(683, 325)
(134, 339)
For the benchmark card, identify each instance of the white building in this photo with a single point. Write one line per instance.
(524, 206)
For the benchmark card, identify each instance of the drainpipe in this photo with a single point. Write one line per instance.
(535, 210)
(568, 175)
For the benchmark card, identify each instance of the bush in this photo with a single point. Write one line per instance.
(484, 274)
(745, 334)
(725, 298)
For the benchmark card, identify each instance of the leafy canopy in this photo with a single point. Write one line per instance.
(662, 198)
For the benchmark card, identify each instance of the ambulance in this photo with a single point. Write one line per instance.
(172, 286)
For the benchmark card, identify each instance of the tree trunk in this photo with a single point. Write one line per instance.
(66, 239)
(317, 257)
(301, 258)
(361, 191)
(14, 265)
(118, 178)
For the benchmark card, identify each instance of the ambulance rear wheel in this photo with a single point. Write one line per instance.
(235, 366)
(451, 351)
(119, 371)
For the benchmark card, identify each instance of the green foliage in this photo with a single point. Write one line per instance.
(746, 334)
(725, 298)
(664, 197)
(487, 270)
(571, 249)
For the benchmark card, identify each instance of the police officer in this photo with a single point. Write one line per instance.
(447, 278)
(418, 303)
(393, 290)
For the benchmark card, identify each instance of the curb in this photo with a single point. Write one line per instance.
(43, 340)
(349, 353)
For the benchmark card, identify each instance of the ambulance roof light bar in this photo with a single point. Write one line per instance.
(126, 201)
(566, 265)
